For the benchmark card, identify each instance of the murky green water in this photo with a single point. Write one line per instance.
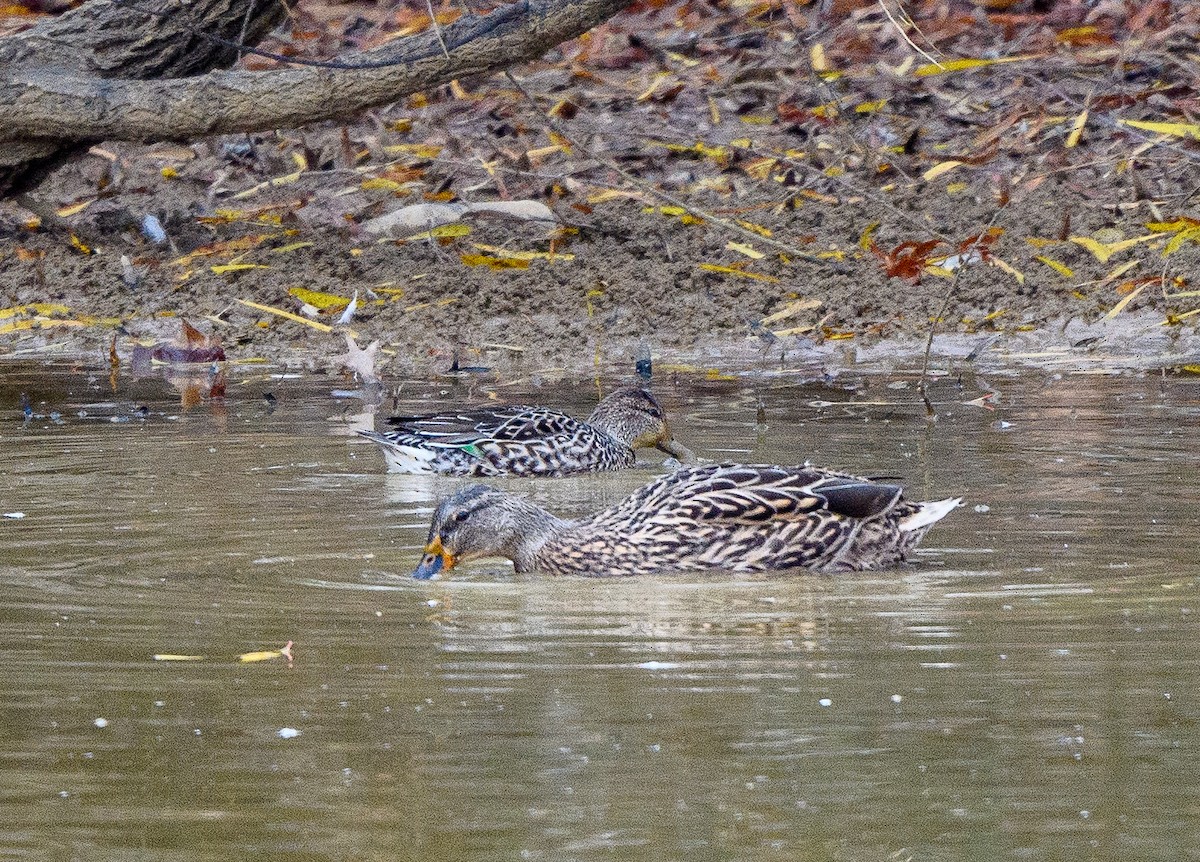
(1029, 690)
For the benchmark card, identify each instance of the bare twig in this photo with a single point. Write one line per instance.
(905, 37)
(651, 189)
(437, 28)
(964, 258)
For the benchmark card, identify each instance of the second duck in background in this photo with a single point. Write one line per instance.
(519, 440)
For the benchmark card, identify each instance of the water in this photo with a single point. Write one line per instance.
(1028, 690)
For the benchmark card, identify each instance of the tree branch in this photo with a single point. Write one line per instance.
(52, 105)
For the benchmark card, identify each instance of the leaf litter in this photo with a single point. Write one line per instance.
(923, 133)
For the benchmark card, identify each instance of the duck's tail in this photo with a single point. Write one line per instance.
(402, 457)
(928, 513)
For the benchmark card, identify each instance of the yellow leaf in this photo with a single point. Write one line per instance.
(523, 255)
(747, 250)
(603, 195)
(261, 655)
(75, 208)
(1103, 251)
(43, 308)
(1178, 130)
(1120, 271)
(317, 299)
(384, 183)
(493, 263)
(1015, 273)
(955, 188)
(965, 63)
(1061, 268)
(790, 310)
(38, 323)
(868, 236)
(684, 216)
(421, 151)
(1120, 306)
(284, 249)
(560, 142)
(237, 267)
(536, 155)
(1077, 129)
(816, 57)
(795, 330)
(760, 168)
(445, 231)
(1075, 32)
(729, 270)
(166, 656)
(279, 312)
(274, 182)
(869, 107)
(1172, 226)
(939, 169)
(650, 91)
(1192, 234)
(757, 228)
(79, 244)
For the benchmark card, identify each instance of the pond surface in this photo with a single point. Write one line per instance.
(1029, 689)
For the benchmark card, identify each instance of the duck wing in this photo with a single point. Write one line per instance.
(513, 423)
(753, 494)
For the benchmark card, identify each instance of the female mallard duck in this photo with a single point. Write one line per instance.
(736, 517)
(528, 441)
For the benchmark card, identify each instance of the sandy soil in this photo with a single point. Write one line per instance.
(638, 278)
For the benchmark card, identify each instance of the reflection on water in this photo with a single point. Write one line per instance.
(1027, 690)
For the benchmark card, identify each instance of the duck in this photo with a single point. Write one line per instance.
(521, 440)
(730, 517)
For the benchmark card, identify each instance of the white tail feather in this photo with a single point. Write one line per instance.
(400, 457)
(929, 513)
(407, 459)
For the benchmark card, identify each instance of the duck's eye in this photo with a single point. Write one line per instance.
(462, 516)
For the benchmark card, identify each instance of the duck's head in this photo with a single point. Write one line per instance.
(632, 416)
(478, 521)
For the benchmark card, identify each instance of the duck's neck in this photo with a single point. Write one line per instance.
(606, 421)
(534, 527)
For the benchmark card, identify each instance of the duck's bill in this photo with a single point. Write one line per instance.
(437, 559)
(676, 450)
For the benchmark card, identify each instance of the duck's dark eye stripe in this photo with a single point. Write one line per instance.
(462, 514)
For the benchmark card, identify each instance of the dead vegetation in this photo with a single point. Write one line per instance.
(871, 138)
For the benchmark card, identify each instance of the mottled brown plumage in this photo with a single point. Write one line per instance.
(734, 517)
(520, 440)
